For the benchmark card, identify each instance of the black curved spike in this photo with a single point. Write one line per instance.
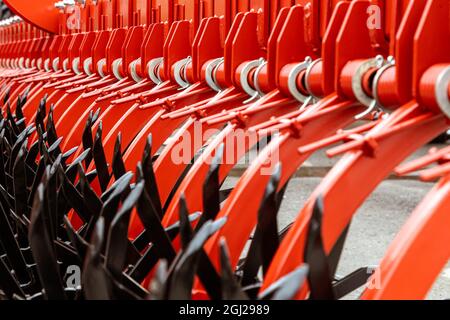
(95, 282)
(87, 140)
(100, 160)
(7, 95)
(231, 290)
(158, 284)
(41, 114)
(186, 232)
(287, 287)
(10, 244)
(182, 277)
(52, 136)
(320, 277)
(72, 169)
(211, 189)
(76, 240)
(20, 183)
(43, 255)
(265, 239)
(111, 205)
(151, 185)
(117, 244)
(157, 234)
(118, 166)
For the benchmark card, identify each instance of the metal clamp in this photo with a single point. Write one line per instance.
(133, 71)
(152, 67)
(357, 86)
(256, 80)
(47, 65)
(308, 74)
(116, 68)
(292, 80)
(390, 62)
(441, 91)
(55, 64)
(66, 64)
(87, 66)
(76, 65)
(177, 68)
(245, 72)
(100, 65)
(210, 73)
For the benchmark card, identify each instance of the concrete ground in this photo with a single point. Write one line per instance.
(376, 223)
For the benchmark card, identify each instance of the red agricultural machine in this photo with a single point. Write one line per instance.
(121, 120)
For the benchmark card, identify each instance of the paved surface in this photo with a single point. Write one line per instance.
(375, 224)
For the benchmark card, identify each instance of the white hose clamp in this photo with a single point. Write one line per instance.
(87, 66)
(100, 66)
(66, 64)
(308, 74)
(152, 67)
(441, 91)
(211, 71)
(116, 68)
(177, 68)
(76, 65)
(133, 71)
(55, 64)
(357, 85)
(22, 63)
(256, 75)
(47, 65)
(292, 80)
(245, 72)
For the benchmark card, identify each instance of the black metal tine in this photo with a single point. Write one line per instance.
(7, 95)
(186, 232)
(52, 136)
(76, 240)
(267, 219)
(72, 169)
(111, 205)
(41, 113)
(266, 233)
(185, 269)
(43, 255)
(211, 189)
(231, 289)
(21, 124)
(54, 217)
(8, 284)
(151, 185)
(87, 140)
(68, 154)
(107, 194)
(118, 166)
(118, 242)
(320, 277)
(19, 111)
(32, 155)
(11, 120)
(37, 180)
(11, 246)
(158, 236)
(20, 183)
(149, 259)
(2, 159)
(287, 287)
(96, 115)
(74, 197)
(95, 282)
(93, 202)
(100, 160)
(158, 284)
(54, 150)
